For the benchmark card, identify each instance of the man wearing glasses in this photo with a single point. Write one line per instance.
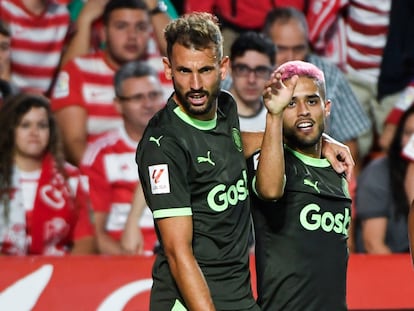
(109, 161)
(252, 57)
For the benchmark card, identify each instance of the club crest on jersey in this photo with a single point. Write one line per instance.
(237, 139)
(159, 178)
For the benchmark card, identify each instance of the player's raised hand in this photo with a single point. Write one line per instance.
(278, 94)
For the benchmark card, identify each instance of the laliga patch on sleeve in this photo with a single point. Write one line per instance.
(62, 85)
(408, 150)
(159, 178)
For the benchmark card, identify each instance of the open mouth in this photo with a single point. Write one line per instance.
(197, 99)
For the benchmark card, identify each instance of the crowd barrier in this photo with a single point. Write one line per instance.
(118, 283)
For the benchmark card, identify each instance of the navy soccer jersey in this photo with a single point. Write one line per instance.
(301, 239)
(196, 168)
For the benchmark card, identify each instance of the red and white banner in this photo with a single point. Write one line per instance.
(117, 283)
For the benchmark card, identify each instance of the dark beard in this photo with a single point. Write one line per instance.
(294, 141)
(212, 97)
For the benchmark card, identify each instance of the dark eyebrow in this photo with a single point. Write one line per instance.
(312, 96)
(205, 68)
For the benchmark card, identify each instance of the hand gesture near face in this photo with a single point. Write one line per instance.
(277, 95)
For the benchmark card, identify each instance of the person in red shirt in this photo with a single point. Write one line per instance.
(83, 97)
(109, 161)
(43, 207)
(39, 32)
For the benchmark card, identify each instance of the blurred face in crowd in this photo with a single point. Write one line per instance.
(290, 40)
(141, 98)
(127, 35)
(304, 117)
(249, 74)
(4, 57)
(196, 75)
(32, 134)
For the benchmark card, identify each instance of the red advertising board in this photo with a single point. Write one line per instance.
(117, 283)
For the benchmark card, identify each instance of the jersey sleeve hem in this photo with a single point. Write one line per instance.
(173, 212)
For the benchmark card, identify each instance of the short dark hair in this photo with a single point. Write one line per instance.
(113, 5)
(253, 41)
(133, 69)
(198, 30)
(285, 14)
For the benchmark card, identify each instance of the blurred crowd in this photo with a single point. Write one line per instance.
(80, 79)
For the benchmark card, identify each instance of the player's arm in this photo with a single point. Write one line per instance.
(80, 43)
(271, 168)
(176, 235)
(252, 141)
(132, 241)
(72, 121)
(338, 155)
(373, 235)
(159, 21)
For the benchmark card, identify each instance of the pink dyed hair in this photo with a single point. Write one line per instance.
(303, 69)
(300, 68)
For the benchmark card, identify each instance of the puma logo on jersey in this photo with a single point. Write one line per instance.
(206, 159)
(156, 140)
(314, 185)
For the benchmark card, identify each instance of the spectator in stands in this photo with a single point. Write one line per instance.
(397, 66)
(287, 27)
(39, 30)
(88, 27)
(84, 93)
(43, 207)
(237, 17)
(382, 205)
(366, 33)
(109, 161)
(252, 58)
(353, 34)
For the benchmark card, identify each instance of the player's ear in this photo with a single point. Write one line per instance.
(327, 108)
(224, 67)
(167, 68)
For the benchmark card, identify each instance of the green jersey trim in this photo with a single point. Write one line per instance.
(173, 212)
(199, 124)
(315, 162)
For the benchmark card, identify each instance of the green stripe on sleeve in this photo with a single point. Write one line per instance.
(173, 212)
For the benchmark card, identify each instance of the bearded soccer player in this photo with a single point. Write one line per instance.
(302, 208)
(193, 173)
